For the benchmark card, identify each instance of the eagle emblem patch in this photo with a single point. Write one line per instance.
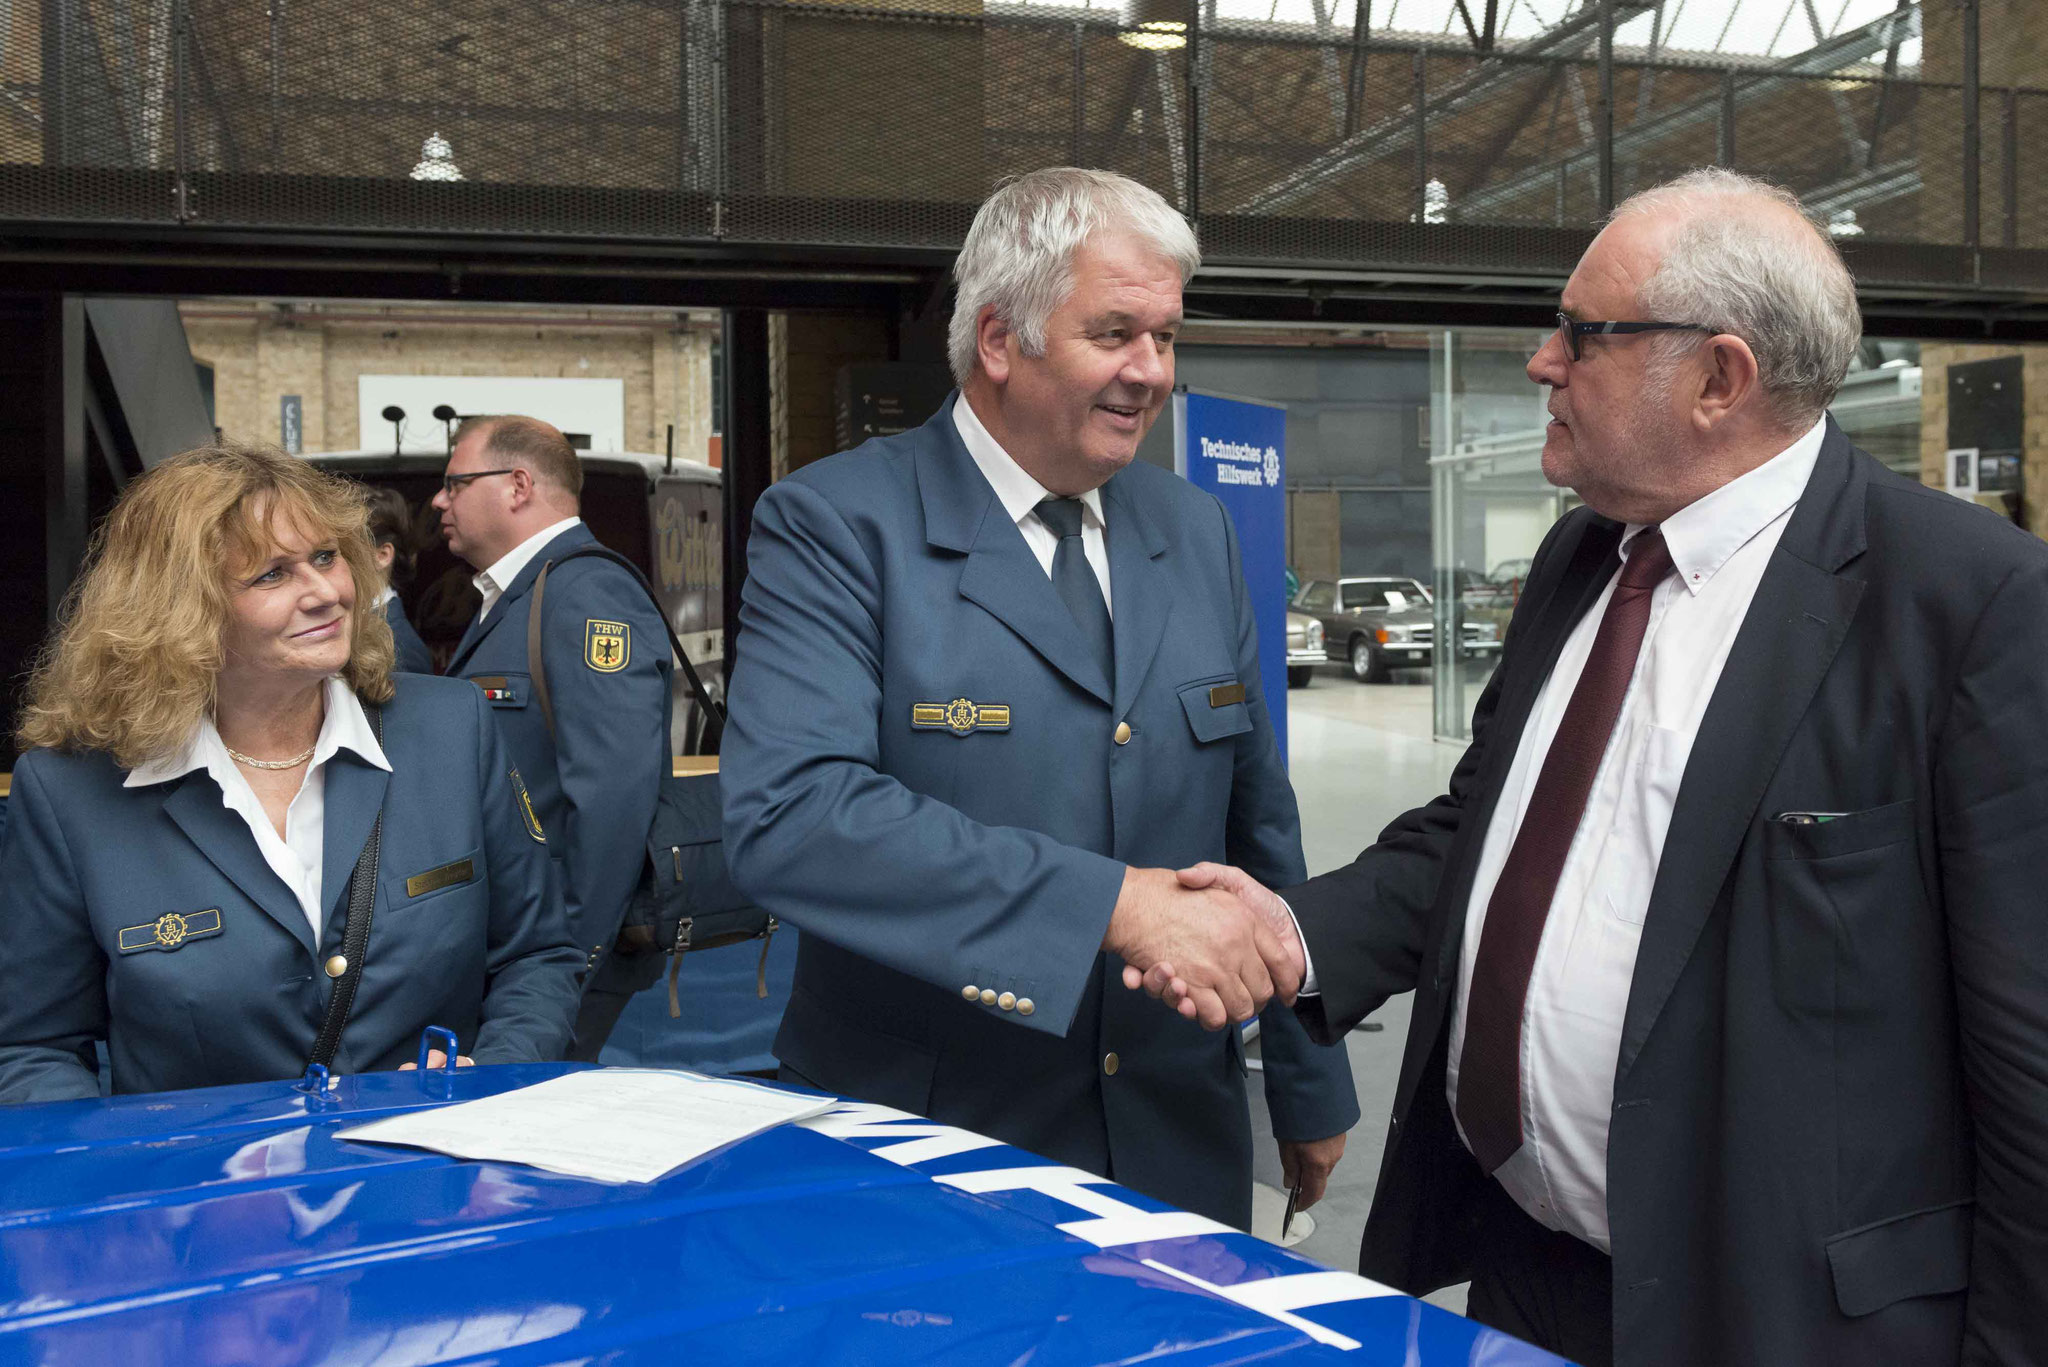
(606, 645)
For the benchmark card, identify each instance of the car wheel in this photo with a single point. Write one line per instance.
(1299, 675)
(1367, 664)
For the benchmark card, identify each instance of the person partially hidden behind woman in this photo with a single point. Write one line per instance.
(211, 736)
(391, 538)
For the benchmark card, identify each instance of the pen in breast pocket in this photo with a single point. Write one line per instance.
(1808, 818)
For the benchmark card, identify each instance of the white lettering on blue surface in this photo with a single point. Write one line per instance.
(927, 1140)
(1116, 1223)
(1213, 449)
(1277, 1297)
(1113, 1223)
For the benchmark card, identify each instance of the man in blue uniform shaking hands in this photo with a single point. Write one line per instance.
(510, 505)
(994, 682)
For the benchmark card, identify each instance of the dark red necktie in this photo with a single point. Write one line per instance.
(1490, 1069)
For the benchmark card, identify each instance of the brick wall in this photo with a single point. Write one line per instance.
(261, 351)
(815, 346)
(1934, 363)
(1315, 534)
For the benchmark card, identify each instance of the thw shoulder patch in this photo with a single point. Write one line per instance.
(526, 812)
(606, 645)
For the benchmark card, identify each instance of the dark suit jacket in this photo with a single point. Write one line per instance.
(1830, 1131)
(233, 991)
(595, 780)
(921, 861)
(413, 655)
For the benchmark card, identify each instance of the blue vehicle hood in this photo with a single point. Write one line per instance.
(229, 1226)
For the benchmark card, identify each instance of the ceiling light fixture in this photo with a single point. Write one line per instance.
(1155, 25)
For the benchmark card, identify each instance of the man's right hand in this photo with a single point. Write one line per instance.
(1220, 951)
(1163, 980)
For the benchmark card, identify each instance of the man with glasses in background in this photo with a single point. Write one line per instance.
(1730, 1032)
(510, 505)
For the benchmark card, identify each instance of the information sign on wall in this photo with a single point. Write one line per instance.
(1236, 449)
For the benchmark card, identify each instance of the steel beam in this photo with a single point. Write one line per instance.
(1391, 136)
(1638, 137)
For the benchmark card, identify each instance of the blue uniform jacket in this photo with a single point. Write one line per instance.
(467, 931)
(595, 783)
(922, 860)
(413, 656)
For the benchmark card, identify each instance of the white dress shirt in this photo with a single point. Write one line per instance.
(1020, 496)
(1585, 963)
(296, 856)
(493, 582)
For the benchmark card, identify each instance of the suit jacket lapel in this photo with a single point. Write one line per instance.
(1141, 593)
(470, 636)
(1796, 623)
(224, 838)
(1001, 575)
(355, 794)
(522, 583)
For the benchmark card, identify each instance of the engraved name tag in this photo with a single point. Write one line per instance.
(433, 880)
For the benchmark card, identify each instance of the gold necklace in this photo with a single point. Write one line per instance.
(294, 762)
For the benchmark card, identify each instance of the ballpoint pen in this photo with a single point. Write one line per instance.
(1287, 1217)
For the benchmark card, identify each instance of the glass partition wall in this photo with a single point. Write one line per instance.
(1490, 506)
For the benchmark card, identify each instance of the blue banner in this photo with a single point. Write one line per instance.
(1237, 450)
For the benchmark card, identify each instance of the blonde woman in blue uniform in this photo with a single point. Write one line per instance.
(211, 736)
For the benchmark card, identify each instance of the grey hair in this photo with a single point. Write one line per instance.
(1019, 254)
(1780, 287)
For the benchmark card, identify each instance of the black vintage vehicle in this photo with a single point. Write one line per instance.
(665, 515)
(1379, 623)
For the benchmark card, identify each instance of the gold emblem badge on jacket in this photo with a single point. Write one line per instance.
(606, 645)
(170, 930)
(960, 716)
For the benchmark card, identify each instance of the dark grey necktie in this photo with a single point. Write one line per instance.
(1075, 580)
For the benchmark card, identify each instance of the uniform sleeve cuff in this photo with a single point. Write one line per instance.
(1309, 986)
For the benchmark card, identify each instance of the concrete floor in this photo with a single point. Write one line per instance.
(1360, 755)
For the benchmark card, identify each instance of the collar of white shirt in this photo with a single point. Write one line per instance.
(384, 595)
(346, 726)
(1016, 490)
(1703, 534)
(493, 582)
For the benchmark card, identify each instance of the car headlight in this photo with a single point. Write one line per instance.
(1315, 635)
(1397, 635)
(1483, 631)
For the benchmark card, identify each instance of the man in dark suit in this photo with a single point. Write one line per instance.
(1730, 1033)
(510, 505)
(994, 682)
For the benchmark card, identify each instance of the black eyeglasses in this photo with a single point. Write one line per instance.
(1570, 329)
(450, 483)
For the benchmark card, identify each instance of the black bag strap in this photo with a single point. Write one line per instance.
(536, 662)
(355, 928)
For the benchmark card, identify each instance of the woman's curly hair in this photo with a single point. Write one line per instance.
(131, 666)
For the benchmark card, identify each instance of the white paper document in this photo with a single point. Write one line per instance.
(610, 1124)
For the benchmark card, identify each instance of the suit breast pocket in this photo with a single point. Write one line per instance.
(1835, 890)
(1215, 708)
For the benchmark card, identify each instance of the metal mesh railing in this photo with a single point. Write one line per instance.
(882, 126)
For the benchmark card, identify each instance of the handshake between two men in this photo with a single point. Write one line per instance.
(1208, 941)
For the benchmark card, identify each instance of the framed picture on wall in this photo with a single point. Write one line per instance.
(1962, 471)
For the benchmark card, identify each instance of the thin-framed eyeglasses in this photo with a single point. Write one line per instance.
(450, 483)
(1570, 330)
